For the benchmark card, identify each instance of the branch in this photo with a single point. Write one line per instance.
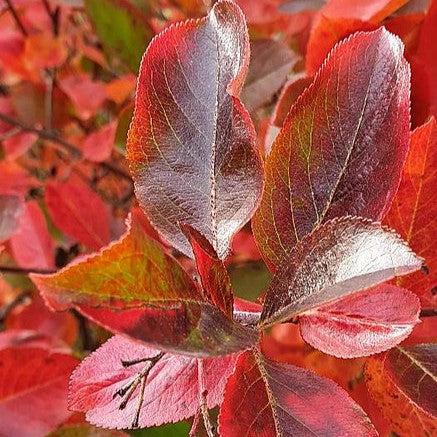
(202, 398)
(86, 337)
(428, 312)
(17, 19)
(24, 271)
(8, 308)
(68, 147)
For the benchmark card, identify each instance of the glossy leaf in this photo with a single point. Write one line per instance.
(414, 208)
(78, 211)
(339, 258)
(342, 146)
(214, 278)
(363, 324)
(171, 390)
(33, 391)
(123, 29)
(270, 63)
(192, 329)
(191, 145)
(11, 207)
(403, 382)
(32, 245)
(131, 272)
(266, 398)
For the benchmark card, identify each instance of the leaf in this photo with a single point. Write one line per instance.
(26, 338)
(193, 329)
(11, 207)
(17, 145)
(266, 398)
(338, 258)
(122, 28)
(270, 63)
(84, 430)
(171, 390)
(403, 382)
(97, 146)
(214, 278)
(32, 245)
(69, 206)
(342, 146)
(191, 144)
(33, 391)
(289, 94)
(414, 208)
(86, 95)
(363, 324)
(129, 273)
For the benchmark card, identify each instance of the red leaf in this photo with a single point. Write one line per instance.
(363, 324)
(341, 148)
(194, 329)
(289, 94)
(134, 272)
(33, 391)
(80, 430)
(270, 63)
(266, 398)
(32, 245)
(191, 144)
(403, 382)
(216, 284)
(87, 96)
(78, 211)
(97, 146)
(11, 207)
(17, 145)
(171, 390)
(414, 209)
(338, 258)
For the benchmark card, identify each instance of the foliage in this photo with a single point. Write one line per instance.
(133, 292)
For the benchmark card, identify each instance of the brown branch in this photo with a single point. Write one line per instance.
(86, 337)
(23, 271)
(428, 312)
(54, 16)
(17, 19)
(209, 428)
(68, 147)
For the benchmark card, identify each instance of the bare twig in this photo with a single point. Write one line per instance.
(17, 19)
(68, 147)
(23, 271)
(85, 334)
(202, 399)
(54, 16)
(48, 98)
(428, 312)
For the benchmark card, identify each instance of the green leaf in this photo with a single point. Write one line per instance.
(123, 30)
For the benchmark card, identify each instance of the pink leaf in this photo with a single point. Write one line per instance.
(363, 324)
(171, 389)
(11, 207)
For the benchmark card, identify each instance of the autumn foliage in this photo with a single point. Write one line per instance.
(218, 218)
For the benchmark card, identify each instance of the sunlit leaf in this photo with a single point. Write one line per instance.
(340, 257)
(342, 146)
(403, 382)
(191, 145)
(266, 398)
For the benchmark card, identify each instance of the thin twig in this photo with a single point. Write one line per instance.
(24, 271)
(68, 147)
(85, 335)
(428, 312)
(54, 16)
(202, 399)
(17, 19)
(48, 98)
